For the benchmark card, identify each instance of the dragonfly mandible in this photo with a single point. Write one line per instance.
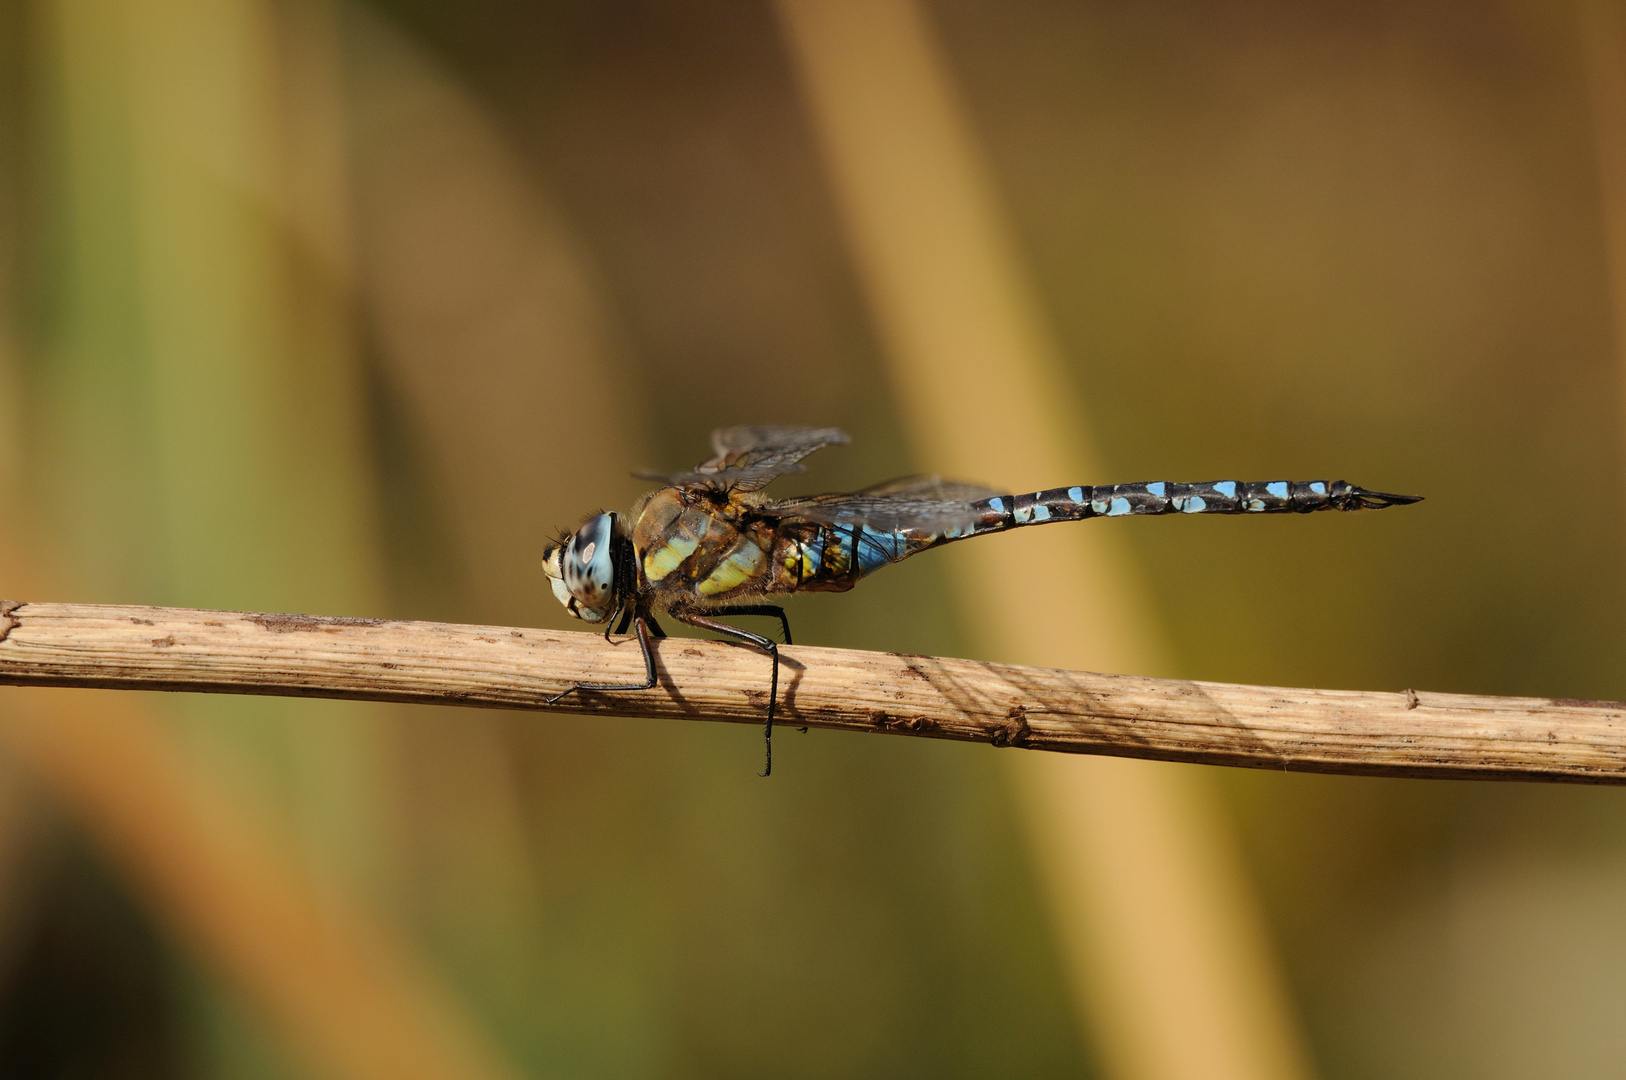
(709, 544)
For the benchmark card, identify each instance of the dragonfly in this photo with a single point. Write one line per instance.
(711, 544)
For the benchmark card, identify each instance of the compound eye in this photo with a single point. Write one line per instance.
(589, 570)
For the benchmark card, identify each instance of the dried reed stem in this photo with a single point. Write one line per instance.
(1331, 731)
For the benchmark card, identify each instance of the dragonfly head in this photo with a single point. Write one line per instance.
(582, 569)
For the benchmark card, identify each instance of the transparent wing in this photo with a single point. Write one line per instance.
(932, 487)
(922, 504)
(768, 448)
(747, 458)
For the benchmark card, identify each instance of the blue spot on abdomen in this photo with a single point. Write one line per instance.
(877, 549)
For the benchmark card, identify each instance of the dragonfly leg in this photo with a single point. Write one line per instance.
(626, 618)
(641, 626)
(772, 611)
(768, 646)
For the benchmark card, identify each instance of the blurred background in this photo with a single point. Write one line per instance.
(344, 307)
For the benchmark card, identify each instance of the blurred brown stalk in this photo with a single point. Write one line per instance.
(353, 997)
(1169, 954)
(203, 387)
(1603, 50)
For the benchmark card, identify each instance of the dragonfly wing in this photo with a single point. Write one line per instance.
(931, 487)
(754, 442)
(921, 505)
(753, 455)
(747, 458)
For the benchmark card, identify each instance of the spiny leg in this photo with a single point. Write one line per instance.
(627, 617)
(771, 611)
(640, 625)
(768, 646)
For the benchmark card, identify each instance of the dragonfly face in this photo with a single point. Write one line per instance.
(582, 570)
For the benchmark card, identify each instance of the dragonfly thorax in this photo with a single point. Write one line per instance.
(583, 569)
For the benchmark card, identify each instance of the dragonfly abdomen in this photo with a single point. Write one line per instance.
(1002, 512)
(833, 557)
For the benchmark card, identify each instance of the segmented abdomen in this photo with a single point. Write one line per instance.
(818, 557)
(811, 557)
(1161, 497)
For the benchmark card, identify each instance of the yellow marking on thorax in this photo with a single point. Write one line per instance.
(667, 556)
(743, 564)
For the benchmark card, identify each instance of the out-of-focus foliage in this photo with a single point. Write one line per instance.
(343, 307)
